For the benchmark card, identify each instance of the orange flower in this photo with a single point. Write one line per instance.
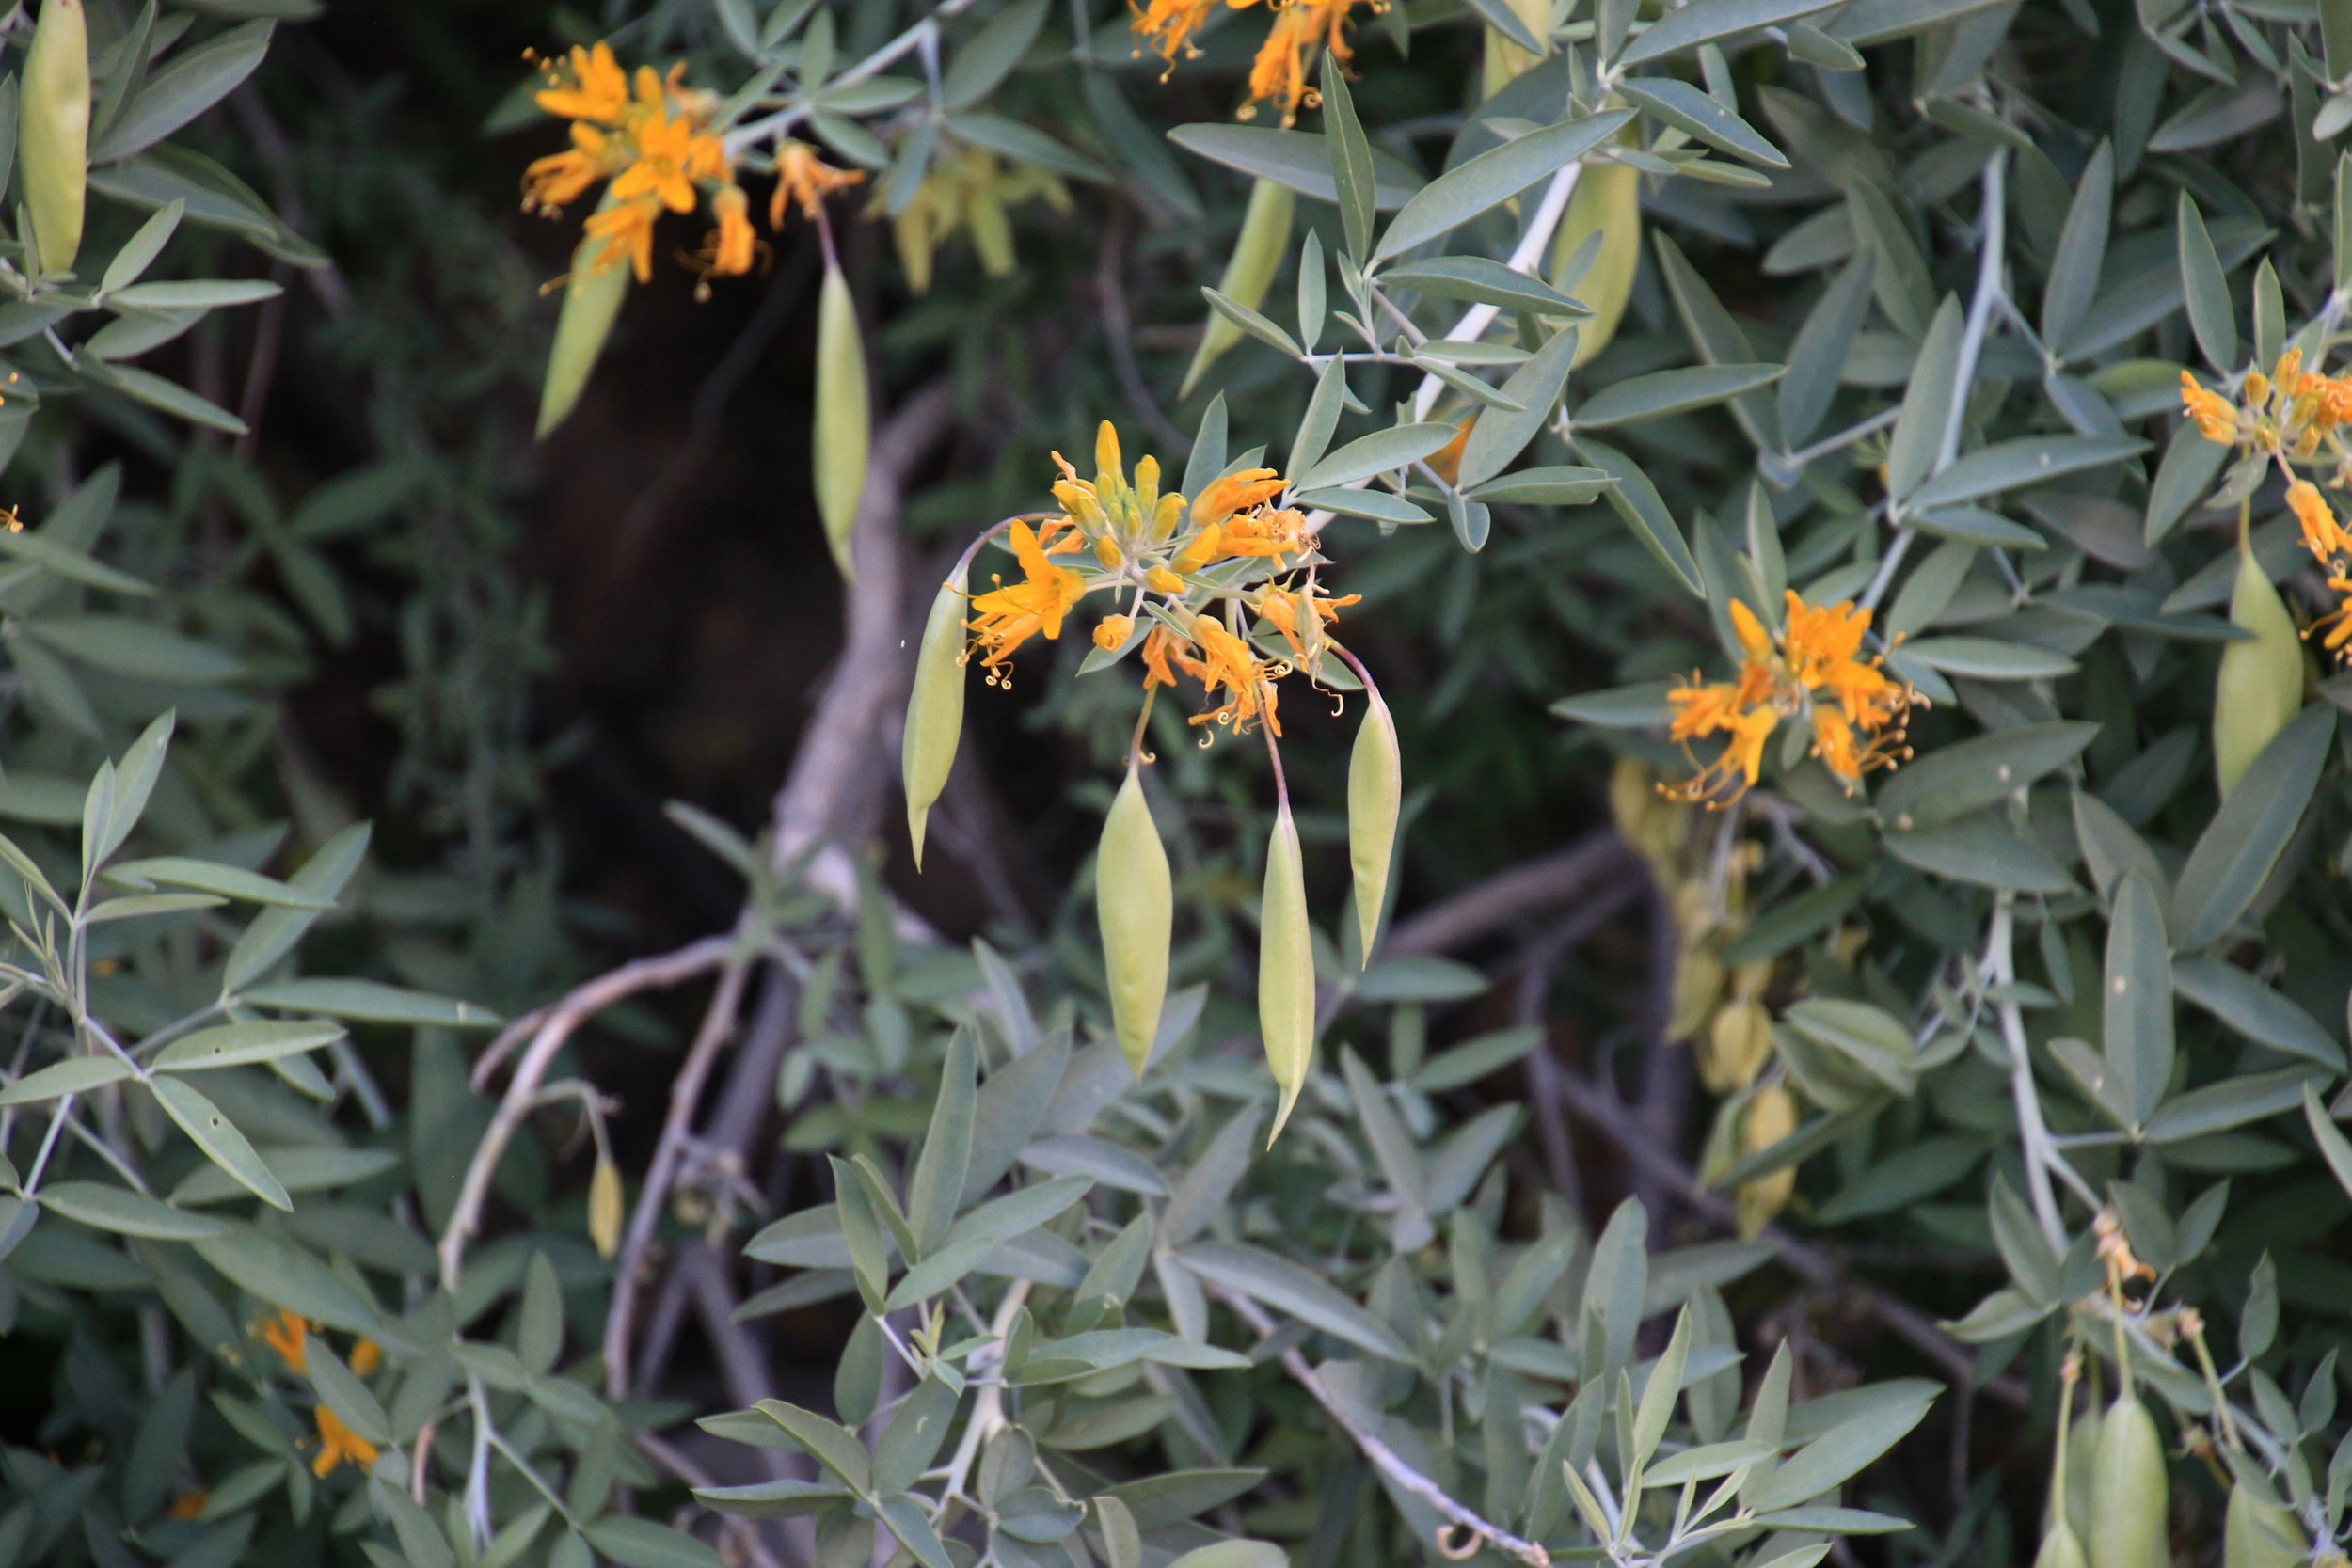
(807, 179)
(189, 1504)
(284, 1333)
(595, 88)
(1005, 619)
(1236, 492)
(2216, 416)
(732, 246)
(1279, 72)
(1159, 645)
(1266, 533)
(1167, 25)
(1446, 462)
(338, 1443)
(1112, 631)
(627, 230)
(2321, 534)
(366, 1358)
(1225, 662)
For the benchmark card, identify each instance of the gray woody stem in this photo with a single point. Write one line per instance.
(1379, 1452)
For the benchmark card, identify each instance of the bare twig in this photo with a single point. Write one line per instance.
(1485, 908)
(686, 1092)
(585, 1002)
(1368, 1442)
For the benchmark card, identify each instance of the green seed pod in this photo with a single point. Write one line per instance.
(1133, 901)
(844, 419)
(2083, 1446)
(53, 132)
(2259, 1533)
(2059, 1549)
(1376, 775)
(1286, 967)
(1607, 201)
(592, 299)
(934, 711)
(1258, 252)
(2260, 686)
(2130, 1494)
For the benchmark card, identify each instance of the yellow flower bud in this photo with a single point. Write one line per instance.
(1376, 786)
(53, 132)
(604, 1208)
(1147, 484)
(1135, 907)
(2130, 1493)
(1164, 581)
(1739, 1042)
(1164, 515)
(2261, 684)
(1286, 967)
(935, 721)
(1106, 550)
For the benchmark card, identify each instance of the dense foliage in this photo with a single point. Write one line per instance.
(1743, 849)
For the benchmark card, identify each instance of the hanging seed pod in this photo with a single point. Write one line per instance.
(2059, 1549)
(1375, 788)
(1286, 967)
(1771, 1117)
(53, 132)
(2260, 686)
(2257, 1533)
(844, 419)
(2084, 1446)
(592, 299)
(2130, 1494)
(1264, 238)
(1133, 901)
(927, 753)
(604, 1208)
(1606, 201)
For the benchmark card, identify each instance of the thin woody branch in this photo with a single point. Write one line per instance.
(1370, 1444)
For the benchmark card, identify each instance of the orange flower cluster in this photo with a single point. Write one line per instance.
(651, 139)
(2288, 416)
(1814, 670)
(1197, 570)
(1279, 75)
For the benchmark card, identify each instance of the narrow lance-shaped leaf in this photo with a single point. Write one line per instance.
(2082, 249)
(844, 417)
(936, 1188)
(2138, 1000)
(1351, 160)
(1375, 784)
(1286, 967)
(2233, 855)
(1136, 906)
(934, 725)
(2207, 290)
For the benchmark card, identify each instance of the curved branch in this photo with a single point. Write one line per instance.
(1481, 909)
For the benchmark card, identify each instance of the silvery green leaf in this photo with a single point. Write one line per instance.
(1482, 281)
(1493, 178)
(2233, 855)
(1379, 452)
(1497, 438)
(1352, 177)
(1637, 501)
(2255, 1009)
(1688, 108)
(1983, 852)
(180, 90)
(1719, 339)
(1954, 780)
(2207, 290)
(1294, 159)
(2188, 466)
(1704, 20)
(1566, 485)
(1255, 324)
(991, 54)
(2022, 461)
(1278, 1282)
(1822, 344)
(1990, 659)
(1927, 405)
(2232, 1102)
(2137, 999)
(2082, 250)
(1675, 391)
